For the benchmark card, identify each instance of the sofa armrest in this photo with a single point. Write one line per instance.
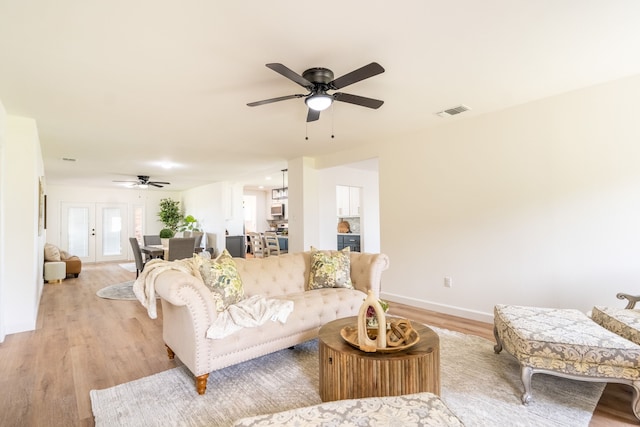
(631, 299)
(366, 271)
(181, 289)
(188, 309)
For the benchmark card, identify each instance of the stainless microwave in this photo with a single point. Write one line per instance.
(277, 210)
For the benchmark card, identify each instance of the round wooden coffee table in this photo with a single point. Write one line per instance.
(349, 373)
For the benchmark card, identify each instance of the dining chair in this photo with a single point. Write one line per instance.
(257, 245)
(198, 244)
(137, 255)
(149, 239)
(271, 243)
(211, 244)
(181, 248)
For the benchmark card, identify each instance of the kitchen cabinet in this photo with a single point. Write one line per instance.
(351, 240)
(232, 200)
(236, 245)
(283, 242)
(347, 200)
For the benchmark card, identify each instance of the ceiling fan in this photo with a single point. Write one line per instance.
(143, 182)
(320, 80)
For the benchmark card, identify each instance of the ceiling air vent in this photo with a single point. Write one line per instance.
(453, 111)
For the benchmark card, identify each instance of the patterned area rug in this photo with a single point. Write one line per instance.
(480, 387)
(123, 291)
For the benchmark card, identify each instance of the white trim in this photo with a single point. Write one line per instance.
(440, 308)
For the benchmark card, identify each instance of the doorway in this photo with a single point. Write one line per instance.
(95, 232)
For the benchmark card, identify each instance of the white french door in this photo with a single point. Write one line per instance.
(95, 232)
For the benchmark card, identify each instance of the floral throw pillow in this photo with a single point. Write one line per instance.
(223, 280)
(330, 269)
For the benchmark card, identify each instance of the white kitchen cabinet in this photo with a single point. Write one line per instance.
(354, 201)
(232, 200)
(347, 201)
(342, 200)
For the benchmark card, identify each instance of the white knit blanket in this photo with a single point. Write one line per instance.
(144, 287)
(249, 313)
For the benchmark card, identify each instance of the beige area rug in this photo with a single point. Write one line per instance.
(122, 291)
(480, 387)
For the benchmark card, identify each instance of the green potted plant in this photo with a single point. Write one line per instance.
(170, 214)
(189, 223)
(165, 235)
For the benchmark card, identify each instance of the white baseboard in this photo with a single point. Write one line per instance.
(440, 308)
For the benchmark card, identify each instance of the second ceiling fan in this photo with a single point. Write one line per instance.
(318, 81)
(144, 181)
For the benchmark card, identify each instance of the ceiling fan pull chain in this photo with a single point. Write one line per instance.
(306, 131)
(332, 114)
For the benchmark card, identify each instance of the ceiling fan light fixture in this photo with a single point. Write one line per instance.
(319, 101)
(143, 186)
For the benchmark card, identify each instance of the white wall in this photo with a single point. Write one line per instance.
(21, 257)
(534, 205)
(303, 205)
(206, 204)
(3, 182)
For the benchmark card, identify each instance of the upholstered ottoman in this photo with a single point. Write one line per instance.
(419, 409)
(623, 322)
(566, 343)
(55, 271)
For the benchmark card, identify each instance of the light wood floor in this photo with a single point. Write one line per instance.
(83, 342)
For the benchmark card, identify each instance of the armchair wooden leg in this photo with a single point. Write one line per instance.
(201, 383)
(170, 352)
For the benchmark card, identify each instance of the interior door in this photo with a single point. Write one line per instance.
(95, 232)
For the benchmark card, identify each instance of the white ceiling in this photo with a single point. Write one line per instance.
(123, 86)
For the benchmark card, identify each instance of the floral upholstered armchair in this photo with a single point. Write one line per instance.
(622, 321)
(632, 300)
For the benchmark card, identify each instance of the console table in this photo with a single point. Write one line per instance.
(349, 373)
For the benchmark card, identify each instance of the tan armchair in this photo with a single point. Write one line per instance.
(73, 264)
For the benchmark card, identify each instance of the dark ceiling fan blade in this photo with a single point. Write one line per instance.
(159, 182)
(290, 74)
(313, 115)
(355, 76)
(280, 98)
(358, 100)
(156, 184)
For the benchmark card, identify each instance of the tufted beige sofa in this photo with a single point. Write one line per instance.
(188, 309)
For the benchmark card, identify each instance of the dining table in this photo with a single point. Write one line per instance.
(154, 251)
